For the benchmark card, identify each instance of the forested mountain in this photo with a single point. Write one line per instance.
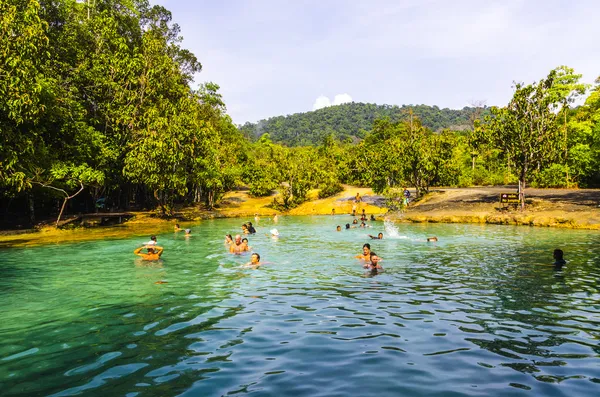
(354, 120)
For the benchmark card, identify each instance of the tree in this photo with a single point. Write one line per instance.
(527, 129)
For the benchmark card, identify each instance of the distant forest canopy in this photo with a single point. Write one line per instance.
(352, 121)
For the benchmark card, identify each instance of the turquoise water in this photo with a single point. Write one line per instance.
(476, 314)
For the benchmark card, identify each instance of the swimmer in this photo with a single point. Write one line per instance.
(355, 222)
(274, 233)
(374, 263)
(364, 225)
(228, 239)
(251, 228)
(177, 228)
(366, 254)
(188, 232)
(378, 237)
(275, 219)
(153, 254)
(338, 228)
(255, 262)
(245, 229)
(558, 258)
(432, 239)
(256, 218)
(238, 247)
(245, 242)
(373, 217)
(347, 226)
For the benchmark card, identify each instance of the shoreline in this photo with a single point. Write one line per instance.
(570, 209)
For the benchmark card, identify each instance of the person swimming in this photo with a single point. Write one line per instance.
(153, 253)
(378, 237)
(558, 258)
(355, 222)
(228, 239)
(373, 264)
(238, 247)
(177, 228)
(245, 242)
(251, 228)
(275, 218)
(347, 226)
(366, 254)
(338, 228)
(188, 232)
(245, 229)
(432, 239)
(274, 233)
(255, 262)
(373, 217)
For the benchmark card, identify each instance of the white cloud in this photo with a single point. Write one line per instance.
(323, 101)
(341, 98)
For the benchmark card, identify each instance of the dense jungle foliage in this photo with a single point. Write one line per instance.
(352, 121)
(98, 113)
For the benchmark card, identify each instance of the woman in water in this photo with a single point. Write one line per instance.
(366, 254)
(228, 240)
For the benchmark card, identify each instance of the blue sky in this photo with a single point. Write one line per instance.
(277, 57)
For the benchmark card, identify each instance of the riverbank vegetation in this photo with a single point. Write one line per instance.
(99, 111)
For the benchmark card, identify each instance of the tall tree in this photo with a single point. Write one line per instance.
(527, 129)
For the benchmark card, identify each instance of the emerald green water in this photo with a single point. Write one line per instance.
(478, 313)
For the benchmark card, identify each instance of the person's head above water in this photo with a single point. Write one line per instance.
(374, 258)
(429, 239)
(255, 258)
(354, 222)
(366, 249)
(153, 238)
(558, 254)
(338, 228)
(245, 240)
(347, 226)
(238, 239)
(380, 236)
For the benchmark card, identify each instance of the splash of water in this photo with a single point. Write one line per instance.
(391, 230)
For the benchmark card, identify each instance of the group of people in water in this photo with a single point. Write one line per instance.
(238, 245)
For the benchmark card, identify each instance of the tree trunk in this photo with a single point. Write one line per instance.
(31, 208)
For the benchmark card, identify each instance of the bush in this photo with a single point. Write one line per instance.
(553, 176)
(394, 199)
(330, 189)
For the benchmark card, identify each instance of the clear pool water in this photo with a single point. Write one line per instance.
(478, 313)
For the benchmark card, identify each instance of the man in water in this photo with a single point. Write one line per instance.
(251, 228)
(238, 247)
(366, 254)
(153, 254)
(338, 228)
(379, 237)
(255, 262)
(374, 265)
(432, 239)
(559, 262)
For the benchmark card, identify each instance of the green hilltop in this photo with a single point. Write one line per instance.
(351, 121)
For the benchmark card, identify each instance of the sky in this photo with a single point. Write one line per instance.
(273, 57)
